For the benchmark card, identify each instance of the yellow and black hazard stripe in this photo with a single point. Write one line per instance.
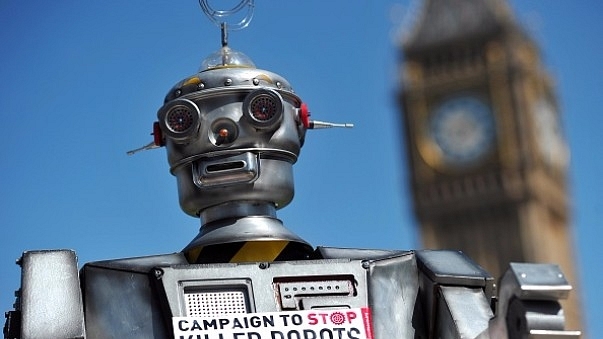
(249, 251)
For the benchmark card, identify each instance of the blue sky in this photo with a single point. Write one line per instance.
(81, 83)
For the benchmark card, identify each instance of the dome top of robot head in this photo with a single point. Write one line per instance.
(233, 75)
(226, 57)
(226, 68)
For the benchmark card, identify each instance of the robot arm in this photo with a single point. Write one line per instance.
(529, 297)
(49, 302)
(456, 300)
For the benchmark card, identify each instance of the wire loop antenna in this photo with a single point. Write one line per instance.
(218, 17)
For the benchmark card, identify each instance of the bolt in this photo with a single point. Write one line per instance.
(264, 265)
(256, 81)
(158, 272)
(228, 82)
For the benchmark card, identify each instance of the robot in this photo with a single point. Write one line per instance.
(232, 134)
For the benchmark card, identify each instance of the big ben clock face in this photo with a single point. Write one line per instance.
(461, 130)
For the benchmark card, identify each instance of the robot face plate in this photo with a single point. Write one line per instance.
(232, 134)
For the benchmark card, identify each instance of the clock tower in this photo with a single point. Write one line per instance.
(487, 157)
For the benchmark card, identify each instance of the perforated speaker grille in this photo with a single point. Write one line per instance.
(263, 108)
(215, 303)
(180, 119)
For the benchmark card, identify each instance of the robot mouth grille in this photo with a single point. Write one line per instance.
(263, 108)
(215, 303)
(180, 119)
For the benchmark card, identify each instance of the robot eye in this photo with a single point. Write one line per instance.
(263, 108)
(179, 120)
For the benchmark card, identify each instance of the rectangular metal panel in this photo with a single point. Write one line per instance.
(51, 299)
(121, 304)
(277, 286)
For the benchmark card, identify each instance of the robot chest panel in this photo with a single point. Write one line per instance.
(149, 305)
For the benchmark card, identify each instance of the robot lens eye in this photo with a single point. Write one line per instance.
(263, 108)
(179, 119)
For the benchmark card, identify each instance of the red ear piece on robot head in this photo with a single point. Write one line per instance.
(304, 115)
(158, 135)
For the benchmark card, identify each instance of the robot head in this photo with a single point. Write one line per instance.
(232, 133)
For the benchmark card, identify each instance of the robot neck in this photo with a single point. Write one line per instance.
(237, 210)
(244, 231)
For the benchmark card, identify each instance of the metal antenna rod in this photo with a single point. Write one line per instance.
(316, 124)
(224, 29)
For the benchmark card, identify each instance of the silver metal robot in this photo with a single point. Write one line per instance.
(232, 134)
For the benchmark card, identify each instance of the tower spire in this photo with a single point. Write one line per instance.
(452, 21)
